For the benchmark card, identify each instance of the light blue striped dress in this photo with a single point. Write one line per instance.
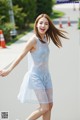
(37, 85)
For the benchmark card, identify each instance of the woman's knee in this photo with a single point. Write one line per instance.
(50, 106)
(45, 108)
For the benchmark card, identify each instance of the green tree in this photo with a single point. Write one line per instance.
(44, 6)
(5, 24)
(19, 16)
(4, 11)
(29, 8)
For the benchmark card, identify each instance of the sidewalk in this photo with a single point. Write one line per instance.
(7, 55)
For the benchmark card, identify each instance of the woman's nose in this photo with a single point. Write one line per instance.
(43, 25)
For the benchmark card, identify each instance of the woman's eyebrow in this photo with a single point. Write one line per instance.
(46, 22)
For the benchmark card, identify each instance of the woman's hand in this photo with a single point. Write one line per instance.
(4, 73)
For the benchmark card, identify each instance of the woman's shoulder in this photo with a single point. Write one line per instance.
(34, 38)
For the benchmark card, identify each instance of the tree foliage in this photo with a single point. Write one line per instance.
(4, 11)
(25, 12)
(19, 16)
(44, 6)
(5, 24)
(28, 8)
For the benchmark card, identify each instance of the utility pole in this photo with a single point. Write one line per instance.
(13, 32)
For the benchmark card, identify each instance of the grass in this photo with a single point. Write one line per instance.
(56, 14)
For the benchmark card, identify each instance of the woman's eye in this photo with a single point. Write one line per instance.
(41, 22)
(46, 23)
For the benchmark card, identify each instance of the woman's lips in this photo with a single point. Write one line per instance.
(42, 29)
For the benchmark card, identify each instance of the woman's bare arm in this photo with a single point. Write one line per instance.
(29, 46)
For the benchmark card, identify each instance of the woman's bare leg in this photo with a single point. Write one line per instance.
(39, 112)
(47, 115)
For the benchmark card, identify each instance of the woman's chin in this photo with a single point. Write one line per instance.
(42, 33)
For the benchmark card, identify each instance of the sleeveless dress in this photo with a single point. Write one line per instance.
(37, 85)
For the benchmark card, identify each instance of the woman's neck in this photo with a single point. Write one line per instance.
(42, 36)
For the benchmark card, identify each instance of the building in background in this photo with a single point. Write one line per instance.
(62, 1)
(66, 1)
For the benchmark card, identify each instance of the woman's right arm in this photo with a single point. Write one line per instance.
(29, 46)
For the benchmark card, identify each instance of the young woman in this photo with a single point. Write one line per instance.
(37, 85)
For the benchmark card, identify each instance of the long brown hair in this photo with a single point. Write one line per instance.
(52, 32)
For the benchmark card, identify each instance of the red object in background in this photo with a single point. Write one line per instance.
(2, 40)
(69, 23)
(60, 23)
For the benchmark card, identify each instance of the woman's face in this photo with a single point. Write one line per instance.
(42, 25)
